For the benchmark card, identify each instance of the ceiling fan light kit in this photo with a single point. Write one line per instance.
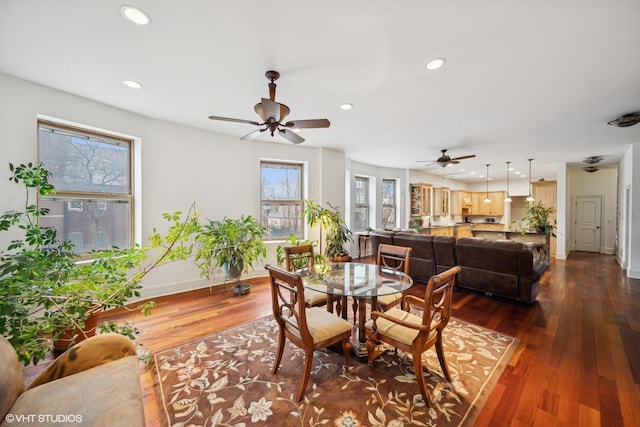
(273, 114)
(626, 120)
(593, 160)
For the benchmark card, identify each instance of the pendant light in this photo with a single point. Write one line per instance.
(530, 198)
(487, 200)
(508, 198)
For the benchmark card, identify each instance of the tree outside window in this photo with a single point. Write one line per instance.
(91, 173)
(389, 203)
(281, 199)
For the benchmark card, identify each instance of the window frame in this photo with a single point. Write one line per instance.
(283, 202)
(359, 205)
(75, 198)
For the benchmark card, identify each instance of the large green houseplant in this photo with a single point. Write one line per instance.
(46, 290)
(234, 244)
(330, 220)
(537, 219)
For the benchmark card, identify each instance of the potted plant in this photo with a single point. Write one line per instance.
(294, 241)
(330, 219)
(537, 219)
(45, 291)
(234, 244)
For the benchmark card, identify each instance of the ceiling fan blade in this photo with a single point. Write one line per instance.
(312, 123)
(464, 157)
(426, 161)
(253, 134)
(291, 136)
(227, 119)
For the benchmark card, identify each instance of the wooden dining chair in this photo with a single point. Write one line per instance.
(308, 328)
(301, 257)
(392, 258)
(388, 258)
(412, 333)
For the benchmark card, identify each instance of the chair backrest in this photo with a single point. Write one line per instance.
(437, 300)
(299, 257)
(287, 300)
(391, 257)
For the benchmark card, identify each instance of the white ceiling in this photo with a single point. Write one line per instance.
(522, 79)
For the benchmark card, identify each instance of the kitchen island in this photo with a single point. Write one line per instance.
(537, 242)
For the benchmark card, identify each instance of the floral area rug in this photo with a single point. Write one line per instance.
(226, 380)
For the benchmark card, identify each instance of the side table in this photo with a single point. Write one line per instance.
(363, 240)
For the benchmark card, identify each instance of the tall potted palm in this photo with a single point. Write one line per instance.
(330, 219)
(233, 244)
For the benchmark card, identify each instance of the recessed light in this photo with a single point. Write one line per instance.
(135, 15)
(296, 130)
(434, 64)
(132, 84)
(346, 106)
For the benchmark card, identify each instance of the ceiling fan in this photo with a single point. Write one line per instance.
(272, 114)
(445, 160)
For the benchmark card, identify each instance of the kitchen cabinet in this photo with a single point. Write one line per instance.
(463, 230)
(461, 202)
(495, 208)
(440, 231)
(420, 199)
(442, 201)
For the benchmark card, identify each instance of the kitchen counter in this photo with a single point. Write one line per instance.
(506, 233)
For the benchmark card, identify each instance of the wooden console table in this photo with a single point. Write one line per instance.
(363, 240)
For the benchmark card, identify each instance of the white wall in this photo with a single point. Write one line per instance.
(602, 183)
(179, 165)
(629, 182)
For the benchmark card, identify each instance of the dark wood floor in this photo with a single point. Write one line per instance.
(578, 362)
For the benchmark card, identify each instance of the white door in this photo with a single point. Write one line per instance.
(588, 223)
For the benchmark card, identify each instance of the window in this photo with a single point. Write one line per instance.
(389, 203)
(91, 173)
(361, 197)
(281, 199)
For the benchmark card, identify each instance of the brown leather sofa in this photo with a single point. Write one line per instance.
(504, 268)
(501, 268)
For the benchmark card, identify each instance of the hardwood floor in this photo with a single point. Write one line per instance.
(578, 362)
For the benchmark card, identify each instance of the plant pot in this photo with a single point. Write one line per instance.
(341, 257)
(241, 289)
(66, 338)
(233, 271)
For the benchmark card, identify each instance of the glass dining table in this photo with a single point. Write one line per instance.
(361, 281)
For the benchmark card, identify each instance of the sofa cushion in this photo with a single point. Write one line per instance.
(444, 248)
(11, 380)
(422, 264)
(380, 236)
(107, 395)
